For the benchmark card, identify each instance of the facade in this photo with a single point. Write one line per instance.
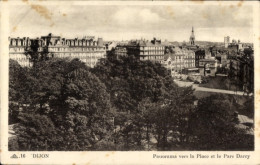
(174, 60)
(199, 54)
(226, 41)
(120, 50)
(179, 59)
(17, 48)
(208, 67)
(87, 49)
(189, 58)
(153, 50)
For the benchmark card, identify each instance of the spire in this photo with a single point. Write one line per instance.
(192, 37)
(192, 33)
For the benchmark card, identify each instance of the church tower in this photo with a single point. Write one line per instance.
(192, 37)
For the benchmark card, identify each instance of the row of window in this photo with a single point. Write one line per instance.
(80, 43)
(99, 55)
(13, 56)
(94, 56)
(181, 63)
(190, 57)
(21, 49)
(88, 55)
(152, 48)
(77, 49)
(178, 66)
(59, 49)
(152, 53)
(21, 59)
(19, 43)
(16, 49)
(152, 57)
(41, 42)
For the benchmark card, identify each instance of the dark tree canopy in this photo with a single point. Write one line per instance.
(17, 89)
(121, 104)
(213, 126)
(68, 95)
(130, 80)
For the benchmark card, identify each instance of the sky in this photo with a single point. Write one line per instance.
(172, 23)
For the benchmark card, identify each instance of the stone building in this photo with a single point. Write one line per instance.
(226, 41)
(143, 49)
(17, 48)
(189, 58)
(87, 49)
(120, 50)
(208, 67)
(199, 54)
(178, 59)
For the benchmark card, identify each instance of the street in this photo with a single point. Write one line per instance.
(197, 88)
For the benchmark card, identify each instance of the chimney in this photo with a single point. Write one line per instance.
(100, 42)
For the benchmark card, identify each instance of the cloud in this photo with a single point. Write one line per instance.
(117, 22)
(135, 16)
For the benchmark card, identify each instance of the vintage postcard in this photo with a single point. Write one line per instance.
(129, 82)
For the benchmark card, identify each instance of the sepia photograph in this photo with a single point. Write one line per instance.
(131, 78)
(84, 82)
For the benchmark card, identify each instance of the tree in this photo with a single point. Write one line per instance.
(44, 82)
(171, 118)
(17, 79)
(83, 107)
(70, 97)
(129, 80)
(146, 97)
(147, 119)
(213, 126)
(35, 133)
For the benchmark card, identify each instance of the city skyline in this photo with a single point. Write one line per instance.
(134, 22)
(68, 89)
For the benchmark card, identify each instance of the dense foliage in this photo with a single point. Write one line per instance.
(217, 126)
(121, 104)
(62, 98)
